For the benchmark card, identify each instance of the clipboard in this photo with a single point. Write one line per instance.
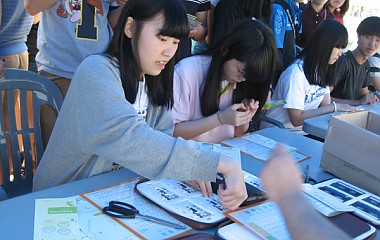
(183, 202)
(141, 228)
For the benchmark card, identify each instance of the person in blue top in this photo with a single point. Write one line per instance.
(286, 26)
(14, 29)
(68, 32)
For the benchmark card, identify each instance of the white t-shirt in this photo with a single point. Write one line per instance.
(294, 88)
(141, 103)
(375, 64)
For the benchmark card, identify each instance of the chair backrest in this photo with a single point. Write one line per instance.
(34, 91)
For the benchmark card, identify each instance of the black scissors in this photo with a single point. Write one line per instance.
(124, 210)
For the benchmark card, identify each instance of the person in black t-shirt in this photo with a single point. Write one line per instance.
(352, 77)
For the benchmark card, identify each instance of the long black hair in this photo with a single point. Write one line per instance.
(252, 43)
(317, 52)
(228, 13)
(124, 50)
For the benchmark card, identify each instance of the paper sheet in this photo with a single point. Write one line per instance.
(183, 199)
(259, 147)
(264, 220)
(228, 151)
(56, 219)
(98, 226)
(125, 192)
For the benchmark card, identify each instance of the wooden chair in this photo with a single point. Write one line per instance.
(21, 144)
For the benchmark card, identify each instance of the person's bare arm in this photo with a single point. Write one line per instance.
(200, 32)
(33, 7)
(297, 116)
(229, 116)
(303, 221)
(376, 82)
(282, 183)
(367, 98)
(193, 128)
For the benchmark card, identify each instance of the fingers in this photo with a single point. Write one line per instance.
(239, 113)
(241, 107)
(369, 98)
(279, 150)
(231, 198)
(254, 104)
(206, 189)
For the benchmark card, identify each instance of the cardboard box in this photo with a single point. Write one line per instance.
(351, 150)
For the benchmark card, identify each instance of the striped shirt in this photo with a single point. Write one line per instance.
(15, 27)
(375, 65)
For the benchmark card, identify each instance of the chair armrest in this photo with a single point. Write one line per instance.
(273, 121)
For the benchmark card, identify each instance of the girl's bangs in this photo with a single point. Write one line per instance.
(342, 42)
(176, 23)
(259, 70)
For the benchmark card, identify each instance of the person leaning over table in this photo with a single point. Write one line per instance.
(216, 94)
(123, 116)
(304, 85)
(282, 183)
(353, 69)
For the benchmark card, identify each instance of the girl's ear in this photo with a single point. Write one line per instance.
(128, 29)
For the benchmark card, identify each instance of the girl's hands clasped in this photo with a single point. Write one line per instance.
(240, 113)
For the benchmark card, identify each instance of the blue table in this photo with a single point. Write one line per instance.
(17, 214)
(318, 126)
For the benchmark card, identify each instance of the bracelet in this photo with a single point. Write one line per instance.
(334, 106)
(220, 121)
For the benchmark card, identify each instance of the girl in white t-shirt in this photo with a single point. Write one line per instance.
(304, 85)
(218, 93)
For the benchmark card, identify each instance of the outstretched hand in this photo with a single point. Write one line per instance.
(280, 177)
